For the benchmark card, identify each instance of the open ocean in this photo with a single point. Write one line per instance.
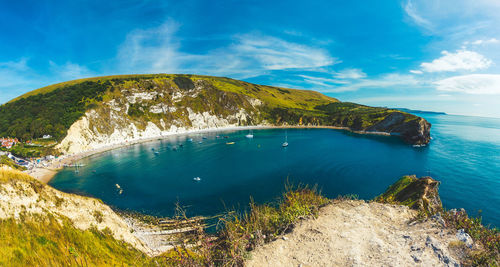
(464, 155)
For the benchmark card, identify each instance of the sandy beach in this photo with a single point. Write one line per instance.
(45, 174)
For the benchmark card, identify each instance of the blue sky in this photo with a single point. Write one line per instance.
(428, 54)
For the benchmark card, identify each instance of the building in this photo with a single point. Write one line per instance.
(8, 142)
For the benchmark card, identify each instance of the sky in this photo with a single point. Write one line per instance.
(432, 55)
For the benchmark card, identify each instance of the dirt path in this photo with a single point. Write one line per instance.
(355, 233)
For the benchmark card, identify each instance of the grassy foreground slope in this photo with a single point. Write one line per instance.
(53, 109)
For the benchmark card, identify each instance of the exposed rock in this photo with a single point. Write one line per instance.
(356, 233)
(19, 197)
(465, 237)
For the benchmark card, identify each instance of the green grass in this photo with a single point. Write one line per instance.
(6, 161)
(53, 109)
(262, 223)
(389, 195)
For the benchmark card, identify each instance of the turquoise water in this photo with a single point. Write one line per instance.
(464, 155)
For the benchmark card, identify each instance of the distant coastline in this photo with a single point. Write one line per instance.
(420, 111)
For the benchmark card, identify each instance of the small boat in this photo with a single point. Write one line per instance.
(217, 137)
(249, 135)
(285, 144)
(197, 179)
(190, 140)
(156, 152)
(200, 142)
(174, 148)
(204, 137)
(181, 145)
(230, 143)
(153, 149)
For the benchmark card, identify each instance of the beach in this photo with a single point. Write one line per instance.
(45, 174)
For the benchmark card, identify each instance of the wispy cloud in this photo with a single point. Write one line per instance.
(69, 71)
(151, 50)
(386, 81)
(246, 55)
(460, 60)
(481, 84)
(415, 16)
(350, 74)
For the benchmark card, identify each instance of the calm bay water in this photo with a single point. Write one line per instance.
(464, 155)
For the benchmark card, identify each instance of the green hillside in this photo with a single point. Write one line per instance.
(53, 109)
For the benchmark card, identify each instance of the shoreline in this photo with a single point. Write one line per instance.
(45, 174)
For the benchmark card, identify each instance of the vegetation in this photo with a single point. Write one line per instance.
(488, 253)
(408, 191)
(241, 233)
(43, 241)
(36, 240)
(50, 113)
(417, 193)
(6, 161)
(32, 151)
(53, 109)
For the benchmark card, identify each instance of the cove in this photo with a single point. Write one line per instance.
(152, 177)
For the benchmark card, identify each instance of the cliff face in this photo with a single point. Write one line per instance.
(22, 197)
(134, 113)
(91, 113)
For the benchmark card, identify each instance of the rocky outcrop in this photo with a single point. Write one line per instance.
(417, 193)
(356, 233)
(416, 131)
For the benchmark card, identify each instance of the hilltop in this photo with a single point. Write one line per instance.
(87, 114)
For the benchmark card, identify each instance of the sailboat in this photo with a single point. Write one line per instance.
(249, 135)
(285, 144)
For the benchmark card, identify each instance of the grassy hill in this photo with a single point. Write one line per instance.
(53, 109)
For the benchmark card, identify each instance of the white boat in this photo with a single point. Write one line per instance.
(285, 144)
(249, 135)
(197, 179)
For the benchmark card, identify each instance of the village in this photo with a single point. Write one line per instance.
(8, 148)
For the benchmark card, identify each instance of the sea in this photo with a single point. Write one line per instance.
(160, 176)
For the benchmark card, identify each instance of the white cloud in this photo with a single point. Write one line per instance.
(482, 84)
(416, 71)
(460, 60)
(488, 41)
(323, 82)
(350, 74)
(159, 50)
(69, 71)
(386, 81)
